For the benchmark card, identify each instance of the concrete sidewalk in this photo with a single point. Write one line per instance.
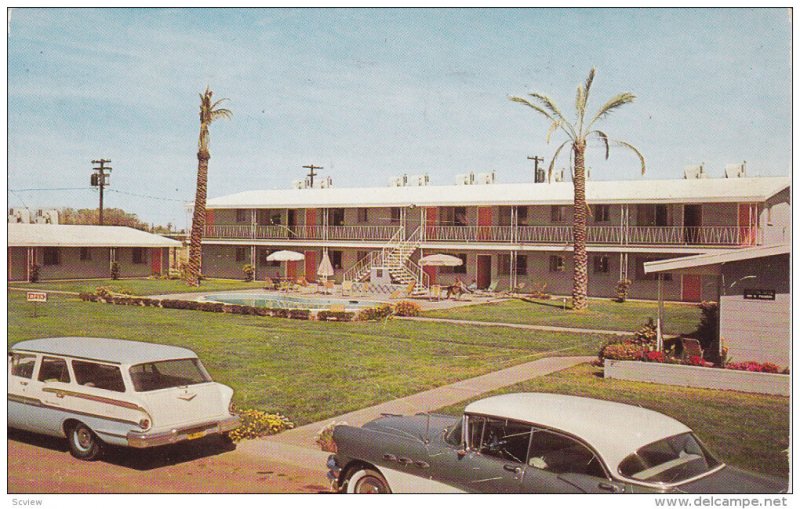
(297, 446)
(549, 328)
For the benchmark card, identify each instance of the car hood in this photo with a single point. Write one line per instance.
(419, 426)
(734, 480)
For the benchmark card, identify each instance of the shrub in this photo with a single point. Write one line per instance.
(324, 438)
(647, 334)
(114, 270)
(753, 366)
(378, 312)
(299, 314)
(708, 330)
(621, 290)
(34, 273)
(626, 351)
(257, 423)
(695, 360)
(339, 316)
(249, 272)
(407, 308)
(654, 356)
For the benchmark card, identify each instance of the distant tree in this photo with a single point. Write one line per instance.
(577, 134)
(111, 217)
(208, 113)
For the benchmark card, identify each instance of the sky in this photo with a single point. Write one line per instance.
(369, 94)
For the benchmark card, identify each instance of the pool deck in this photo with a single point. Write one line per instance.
(425, 303)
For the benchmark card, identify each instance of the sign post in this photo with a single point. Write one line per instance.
(36, 298)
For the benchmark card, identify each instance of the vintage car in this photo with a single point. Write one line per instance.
(533, 443)
(97, 391)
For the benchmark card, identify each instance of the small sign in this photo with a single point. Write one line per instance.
(759, 294)
(37, 297)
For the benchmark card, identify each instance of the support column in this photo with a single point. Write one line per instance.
(660, 319)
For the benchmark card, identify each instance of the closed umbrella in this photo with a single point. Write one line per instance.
(441, 260)
(325, 267)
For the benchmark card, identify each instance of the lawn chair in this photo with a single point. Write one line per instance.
(269, 284)
(520, 286)
(491, 290)
(436, 292)
(347, 288)
(691, 348)
(329, 285)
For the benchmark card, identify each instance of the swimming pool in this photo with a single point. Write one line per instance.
(275, 301)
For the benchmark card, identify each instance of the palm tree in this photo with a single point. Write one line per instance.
(208, 113)
(578, 133)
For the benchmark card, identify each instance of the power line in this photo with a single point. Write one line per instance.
(145, 196)
(14, 191)
(50, 189)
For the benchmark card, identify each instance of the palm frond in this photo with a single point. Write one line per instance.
(221, 113)
(529, 104)
(553, 160)
(635, 151)
(555, 125)
(580, 104)
(214, 106)
(603, 137)
(612, 104)
(552, 107)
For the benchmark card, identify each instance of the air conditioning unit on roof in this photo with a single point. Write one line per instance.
(325, 183)
(465, 179)
(484, 178)
(418, 180)
(299, 184)
(694, 172)
(737, 170)
(398, 181)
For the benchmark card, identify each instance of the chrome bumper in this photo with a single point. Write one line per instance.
(142, 440)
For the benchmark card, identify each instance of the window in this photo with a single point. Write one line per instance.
(395, 215)
(240, 254)
(336, 259)
(670, 460)
(522, 265)
(22, 364)
(501, 438)
(602, 213)
(241, 216)
(337, 217)
(164, 374)
(522, 216)
(559, 213)
(503, 265)
(139, 255)
(53, 369)
(51, 256)
(102, 376)
(363, 215)
(86, 254)
(556, 263)
(641, 276)
(460, 216)
(559, 454)
(600, 264)
(459, 269)
(505, 215)
(651, 215)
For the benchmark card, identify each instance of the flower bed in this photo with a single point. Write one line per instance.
(696, 376)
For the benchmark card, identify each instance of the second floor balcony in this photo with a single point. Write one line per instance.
(549, 234)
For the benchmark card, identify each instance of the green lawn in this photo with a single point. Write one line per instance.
(747, 430)
(602, 314)
(141, 286)
(305, 370)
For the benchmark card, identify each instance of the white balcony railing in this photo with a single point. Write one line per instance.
(561, 234)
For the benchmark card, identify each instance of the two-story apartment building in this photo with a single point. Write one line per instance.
(509, 233)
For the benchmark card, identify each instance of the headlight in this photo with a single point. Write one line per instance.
(144, 424)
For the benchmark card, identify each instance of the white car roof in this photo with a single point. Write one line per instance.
(615, 430)
(103, 349)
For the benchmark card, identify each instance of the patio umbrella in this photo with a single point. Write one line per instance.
(441, 260)
(325, 267)
(285, 256)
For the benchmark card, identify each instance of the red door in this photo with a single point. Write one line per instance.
(691, 288)
(311, 230)
(484, 271)
(747, 226)
(430, 231)
(311, 266)
(484, 223)
(291, 270)
(155, 260)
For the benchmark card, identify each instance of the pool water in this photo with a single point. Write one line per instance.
(286, 301)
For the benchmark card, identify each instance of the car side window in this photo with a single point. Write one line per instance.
(560, 454)
(53, 369)
(505, 439)
(102, 376)
(22, 364)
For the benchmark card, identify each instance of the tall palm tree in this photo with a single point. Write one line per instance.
(209, 112)
(578, 133)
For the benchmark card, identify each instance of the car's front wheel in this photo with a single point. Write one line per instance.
(83, 443)
(366, 480)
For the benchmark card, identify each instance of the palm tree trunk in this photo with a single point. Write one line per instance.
(198, 219)
(580, 259)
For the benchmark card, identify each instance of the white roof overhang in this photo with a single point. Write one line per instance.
(710, 263)
(69, 235)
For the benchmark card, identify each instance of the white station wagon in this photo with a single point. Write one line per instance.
(96, 391)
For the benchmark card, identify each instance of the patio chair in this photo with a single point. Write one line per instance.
(347, 288)
(269, 284)
(329, 285)
(491, 290)
(436, 292)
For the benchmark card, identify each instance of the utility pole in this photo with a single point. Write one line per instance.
(537, 177)
(100, 179)
(311, 173)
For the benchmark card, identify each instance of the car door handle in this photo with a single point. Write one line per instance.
(23, 383)
(512, 468)
(404, 461)
(390, 457)
(609, 487)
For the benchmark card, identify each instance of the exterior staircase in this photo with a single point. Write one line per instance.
(395, 256)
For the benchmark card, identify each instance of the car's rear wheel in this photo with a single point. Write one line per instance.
(366, 480)
(83, 443)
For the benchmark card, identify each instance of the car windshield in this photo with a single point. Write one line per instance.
(668, 461)
(152, 376)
